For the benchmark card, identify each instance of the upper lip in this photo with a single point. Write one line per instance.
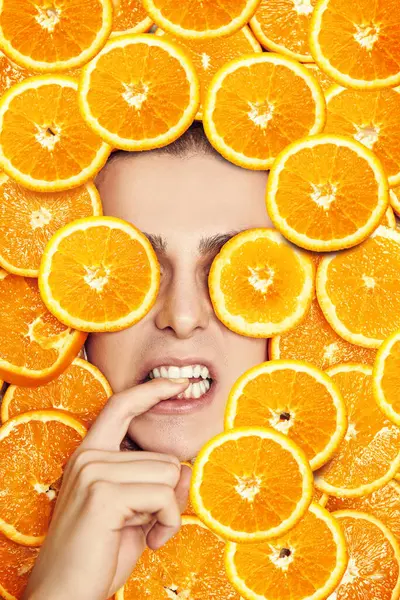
(167, 361)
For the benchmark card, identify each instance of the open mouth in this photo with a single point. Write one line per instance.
(199, 376)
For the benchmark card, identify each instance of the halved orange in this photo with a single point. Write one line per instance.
(326, 192)
(99, 273)
(54, 149)
(81, 390)
(251, 484)
(386, 378)
(294, 398)
(323, 79)
(283, 27)
(16, 564)
(259, 284)
(374, 559)
(207, 19)
(369, 455)
(141, 91)
(62, 35)
(129, 17)
(395, 199)
(34, 346)
(371, 118)
(314, 341)
(358, 45)
(307, 563)
(28, 220)
(358, 290)
(34, 448)
(257, 104)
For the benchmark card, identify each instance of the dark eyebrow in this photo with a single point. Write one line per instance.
(207, 245)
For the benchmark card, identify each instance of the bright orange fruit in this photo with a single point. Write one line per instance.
(395, 199)
(16, 564)
(323, 79)
(129, 17)
(10, 73)
(386, 378)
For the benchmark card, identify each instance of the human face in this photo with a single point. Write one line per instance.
(188, 207)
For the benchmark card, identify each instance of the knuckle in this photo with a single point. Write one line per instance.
(100, 492)
(82, 458)
(168, 494)
(87, 473)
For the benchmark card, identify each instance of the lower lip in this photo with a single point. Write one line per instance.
(179, 406)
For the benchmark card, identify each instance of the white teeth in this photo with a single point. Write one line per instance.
(207, 384)
(203, 388)
(187, 371)
(173, 372)
(164, 372)
(196, 391)
(197, 371)
(156, 372)
(205, 373)
(188, 392)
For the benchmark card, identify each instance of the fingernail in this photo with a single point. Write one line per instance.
(179, 380)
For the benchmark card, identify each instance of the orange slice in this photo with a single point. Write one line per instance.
(100, 273)
(357, 45)
(34, 346)
(389, 219)
(259, 284)
(373, 119)
(326, 192)
(306, 563)
(358, 289)
(256, 105)
(283, 27)
(294, 398)
(209, 56)
(54, 149)
(10, 73)
(34, 448)
(189, 510)
(320, 497)
(395, 199)
(384, 504)
(129, 17)
(16, 564)
(207, 19)
(62, 34)
(316, 342)
(323, 79)
(81, 390)
(189, 565)
(374, 559)
(369, 455)
(250, 484)
(386, 378)
(28, 220)
(141, 91)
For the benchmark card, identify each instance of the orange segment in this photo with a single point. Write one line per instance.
(395, 199)
(371, 118)
(10, 73)
(16, 564)
(140, 92)
(28, 220)
(259, 284)
(34, 346)
(389, 219)
(358, 45)
(54, 148)
(326, 192)
(316, 342)
(130, 17)
(256, 105)
(62, 34)
(306, 563)
(320, 497)
(386, 378)
(369, 455)
(323, 79)
(189, 565)
(100, 273)
(294, 398)
(358, 289)
(251, 484)
(34, 448)
(81, 390)
(374, 559)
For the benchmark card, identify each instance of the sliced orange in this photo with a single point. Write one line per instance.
(99, 273)
(130, 17)
(210, 55)
(205, 19)
(358, 45)
(34, 448)
(283, 27)
(320, 497)
(369, 455)
(16, 564)
(54, 149)
(326, 192)
(28, 220)
(81, 390)
(62, 35)
(189, 510)
(250, 484)
(316, 342)
(323, 79)
(358, 290)
(384, 504)
(374, 559)
(259, 284)
(386, 378)
(189, 565)
(257, 104)
(389, 219)
(10, 73)
(371, 118)
(141, 91)
(306, 563)
(34, 346)
(395, 199)
(294, 398)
